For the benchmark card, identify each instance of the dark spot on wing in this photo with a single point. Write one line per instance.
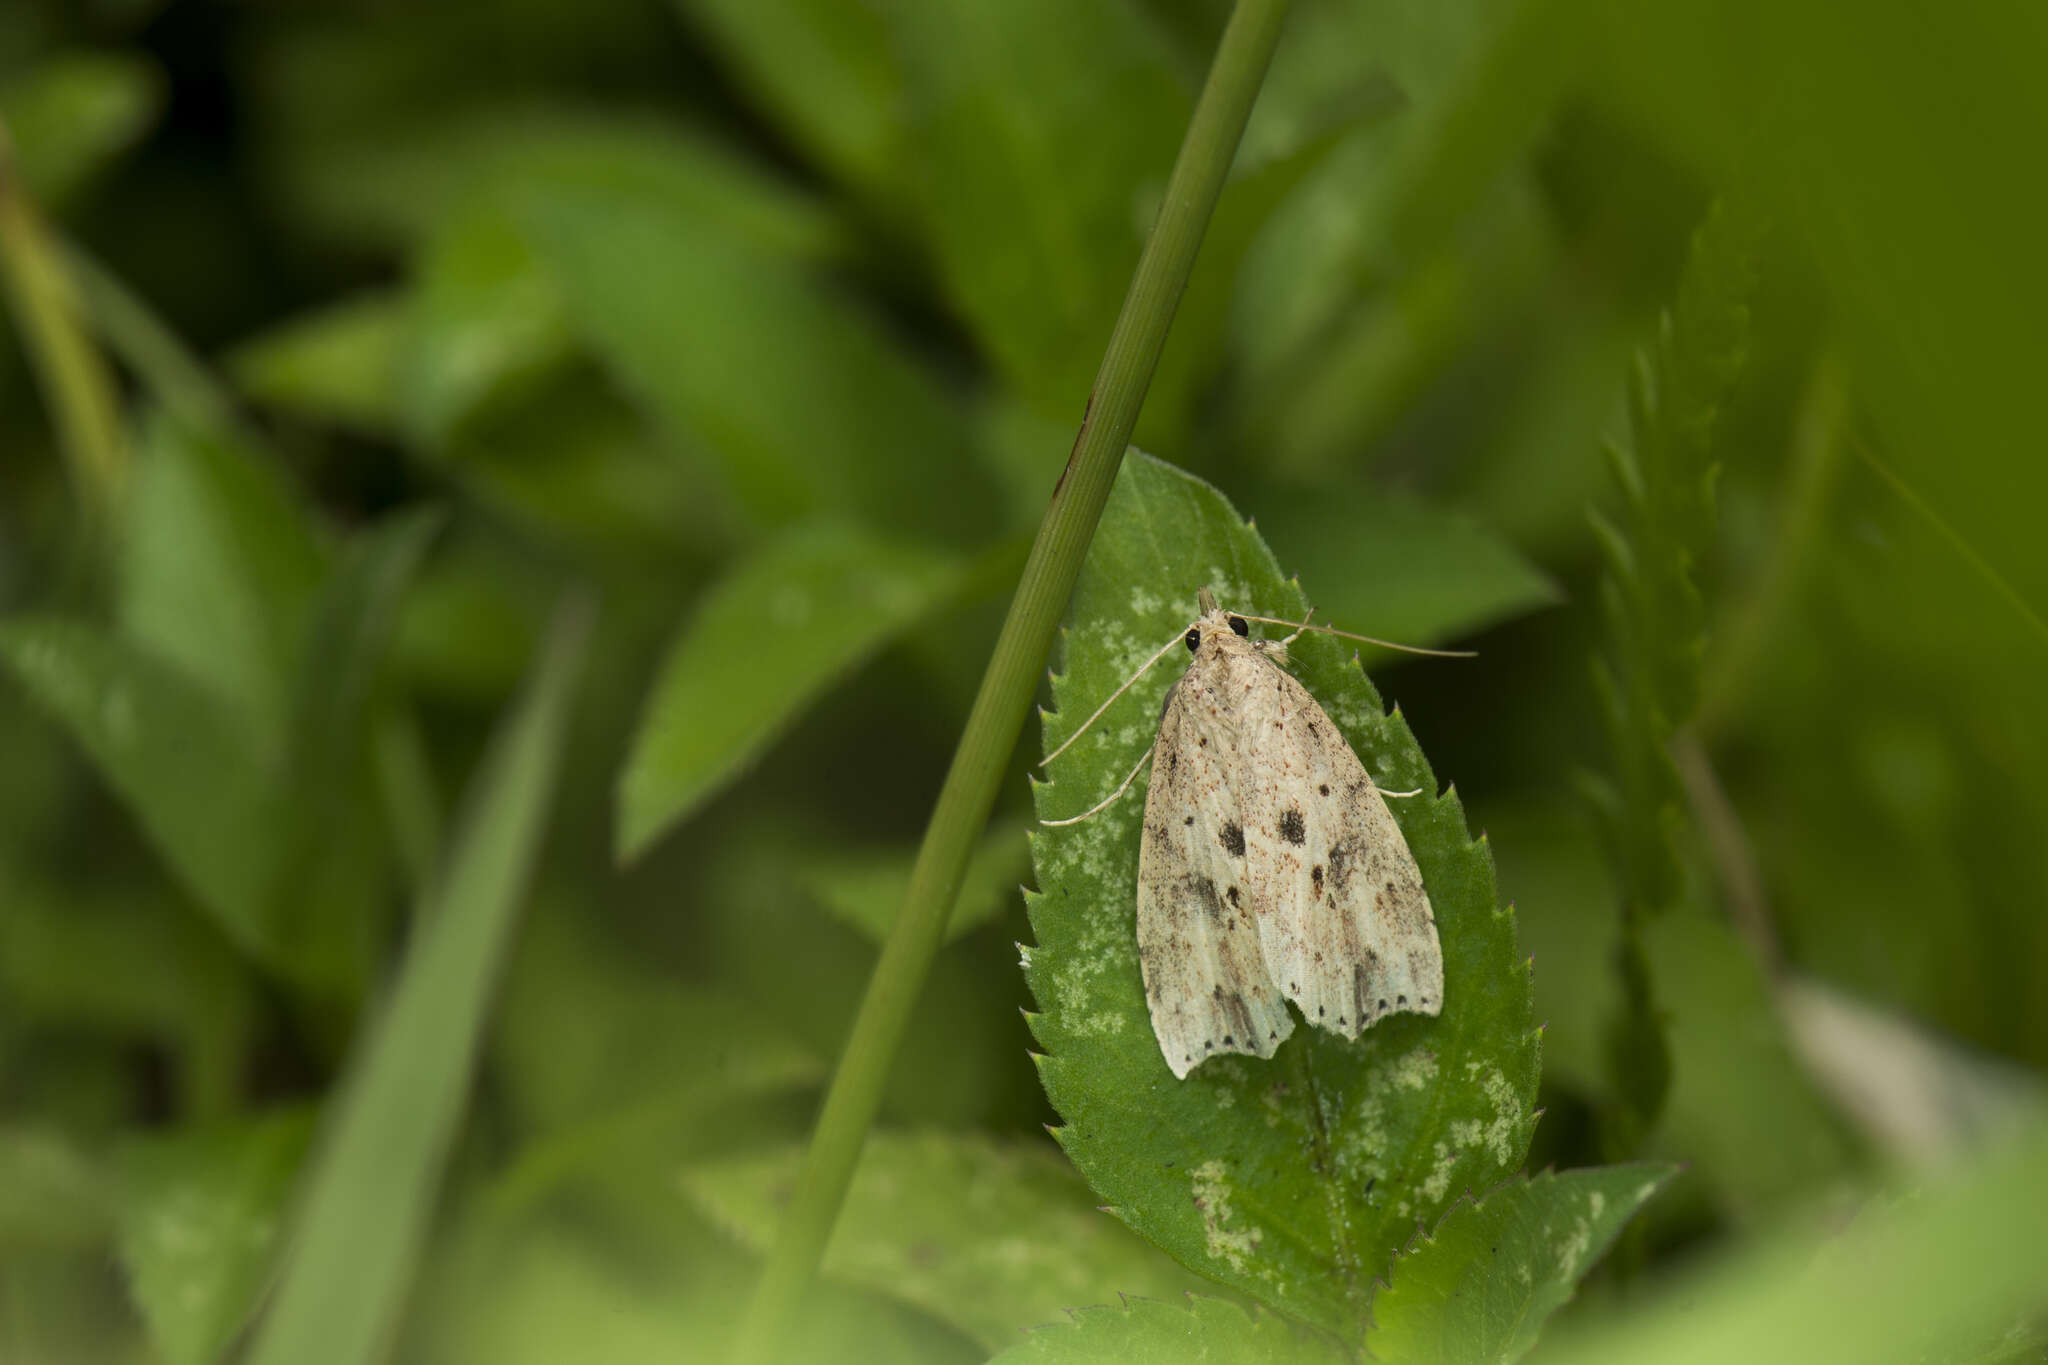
(1231, 896)
(1324, 789)
(1340, 865)
(1291, 827)
(1232, 839)
(1189, 821)
(1315, 874)
(1205, 894)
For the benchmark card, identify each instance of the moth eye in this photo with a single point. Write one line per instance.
(1237, 624)
(1194, 639)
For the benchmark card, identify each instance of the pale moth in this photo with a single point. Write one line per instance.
(1270, 868)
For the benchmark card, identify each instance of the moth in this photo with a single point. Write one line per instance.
(1270, 868)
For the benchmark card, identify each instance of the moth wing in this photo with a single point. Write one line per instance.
(1350, 935)
(1206, 983)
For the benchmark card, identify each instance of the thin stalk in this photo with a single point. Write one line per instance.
(1007, 688)
(75, 381)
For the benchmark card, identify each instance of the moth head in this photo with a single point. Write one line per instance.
(1214, 621)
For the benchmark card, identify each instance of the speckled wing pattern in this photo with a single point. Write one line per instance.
(1344, 924)
(1198, 942)
(1270, 868)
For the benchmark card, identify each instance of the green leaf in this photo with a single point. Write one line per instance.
(221, 564)
(331, 835)
(337, 364)
(1141, 1332)
(1393, 566)
(199, 1218)
(269, 823)
(574, 463)
(134, 965)
(766, 642)
(755, 367)
(1947, 1271)
(571, 995)
(822, 69)
(1743, 1112)
(677, 169)
(554, 1289)
(73, 114)
(1482, 1285)
(1039, 129)
(1648, 675)
(865, 888)
(51, 1194)
(180, 757)
(358, 1232)
(1292, 1179)
(485, 319)
(991, 1237)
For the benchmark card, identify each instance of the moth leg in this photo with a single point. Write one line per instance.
(1110, 799)
(1111, 700)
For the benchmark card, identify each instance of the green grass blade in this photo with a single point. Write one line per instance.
(359, 1229)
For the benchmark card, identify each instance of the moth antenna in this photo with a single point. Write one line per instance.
(1298, 630)
(1384, 792)
(1363, 639)
(1111, 798)
(1142, 669)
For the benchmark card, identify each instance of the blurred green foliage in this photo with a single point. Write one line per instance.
(352, 915)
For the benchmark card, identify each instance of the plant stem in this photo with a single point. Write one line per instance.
(75, 382)
(1007, 687)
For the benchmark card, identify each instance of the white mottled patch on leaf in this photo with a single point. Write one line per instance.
(1228, 1240)
(1415, 1070)
(1438, 1183)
